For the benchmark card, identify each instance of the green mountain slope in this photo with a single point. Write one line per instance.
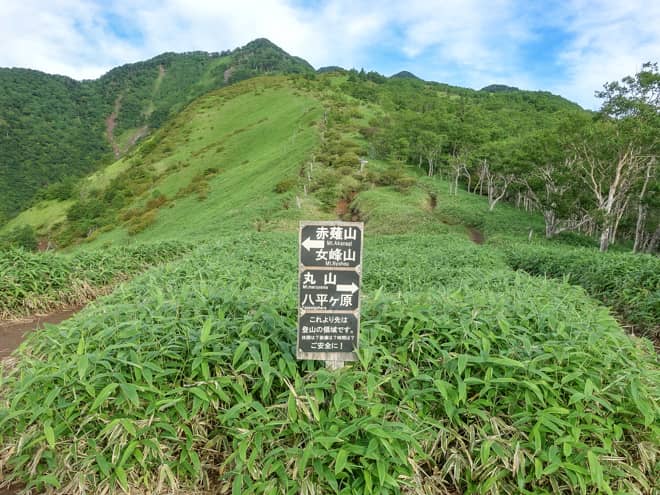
(217, 165)
(231, 148)
(53, 127)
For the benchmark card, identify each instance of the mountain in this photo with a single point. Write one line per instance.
(330, 68)
(247, 151)
(498, 88)
(496, 140)
(53, 127)
(404, 74)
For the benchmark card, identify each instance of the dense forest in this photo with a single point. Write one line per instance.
(53, 128)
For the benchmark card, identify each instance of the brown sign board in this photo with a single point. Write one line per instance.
(330, 275)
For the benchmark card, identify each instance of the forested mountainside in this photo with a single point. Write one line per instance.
(53, 128)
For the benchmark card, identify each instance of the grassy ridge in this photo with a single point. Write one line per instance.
(211, 170)
(32, 282)
(53, 128)
(472, 378)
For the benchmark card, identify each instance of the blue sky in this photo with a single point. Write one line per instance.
(567, 47)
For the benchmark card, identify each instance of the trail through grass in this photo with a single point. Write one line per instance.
(32, 282)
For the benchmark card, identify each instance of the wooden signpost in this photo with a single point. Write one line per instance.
(330, 274)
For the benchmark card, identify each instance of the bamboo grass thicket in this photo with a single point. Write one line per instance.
(630, 285)
(472, 378)
(36, 282)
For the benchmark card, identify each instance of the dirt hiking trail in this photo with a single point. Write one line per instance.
(476, 236)
(12, 332)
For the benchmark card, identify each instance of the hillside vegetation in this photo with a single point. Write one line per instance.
(270, 151)
(53, 128)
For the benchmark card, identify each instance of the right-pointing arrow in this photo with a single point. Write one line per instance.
(313, 244)
(352, 288)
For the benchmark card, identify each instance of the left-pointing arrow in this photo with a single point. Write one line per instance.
(352, 288)
(313, 244)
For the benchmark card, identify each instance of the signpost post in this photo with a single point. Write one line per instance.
(330, 275)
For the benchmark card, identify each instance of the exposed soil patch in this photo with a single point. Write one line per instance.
(110, 124)
(346, 211)
(433, 201)
(228, 73)
(161, 75)
(341, 208)
(12, 332)
(139, 134)
(476, 236)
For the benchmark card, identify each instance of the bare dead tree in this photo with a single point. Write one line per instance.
(497, 184)
(642, 207)
(457, 166)
(548, 202)
(610, 182)
(430, 148)
(468, 176)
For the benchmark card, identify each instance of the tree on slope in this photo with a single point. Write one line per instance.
(618, 154)
(547, 176)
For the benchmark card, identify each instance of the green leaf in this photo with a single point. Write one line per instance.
(237, 485)
(103, 395)
(50, 435)
(595, 469)
(341, 460)
(121, 478)
(206, 331)
(103, 465)
(381, 467)
(82, 365)
(507, 362)
(462, 363)
(485, 451)
(130, 392)
(368, 485)
(50, 479)
(292, 408)
(199, 393)
(238, 353)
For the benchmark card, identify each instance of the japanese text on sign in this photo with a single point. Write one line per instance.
(329, 246)
(329, 290)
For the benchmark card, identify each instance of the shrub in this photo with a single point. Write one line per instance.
(140, 223)
(42, 281)
(285, 185)
(20, 237)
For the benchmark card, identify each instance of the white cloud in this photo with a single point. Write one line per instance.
(463, 42)
(611, 39)
(63, 36)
